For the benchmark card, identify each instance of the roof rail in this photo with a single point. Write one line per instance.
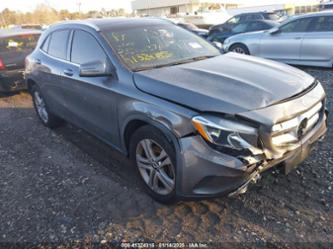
(82, 22)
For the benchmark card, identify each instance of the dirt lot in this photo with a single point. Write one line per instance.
(64, 186)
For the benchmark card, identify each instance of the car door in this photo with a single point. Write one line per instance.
(285, 44)
(317, 42)
(91, 100)
(52, 61)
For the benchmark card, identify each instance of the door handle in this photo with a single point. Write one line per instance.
(68, 72)
(298, 38)
(38, 61)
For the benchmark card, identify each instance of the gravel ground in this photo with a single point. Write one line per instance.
(64, 186)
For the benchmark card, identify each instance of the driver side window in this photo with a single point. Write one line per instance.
(86, 49)
(300, 25)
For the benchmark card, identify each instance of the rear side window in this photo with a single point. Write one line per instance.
(85, 48)
(251, 17)
(58, 44)
(45, 46)
(322, 24)
(272, 16)
(19, 43)
(254, 26)
(240, 28)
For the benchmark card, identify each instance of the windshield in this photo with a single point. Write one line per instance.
(152, 46)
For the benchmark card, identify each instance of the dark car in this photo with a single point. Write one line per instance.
(217, 35)
(245, 17)
(193, 28)
(194, 122)
(15, 45)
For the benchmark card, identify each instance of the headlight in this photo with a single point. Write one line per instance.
(227, 133)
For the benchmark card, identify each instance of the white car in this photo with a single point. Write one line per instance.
(302, 40)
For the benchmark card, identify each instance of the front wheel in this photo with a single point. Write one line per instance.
(47, 118)
(155, 160)
(240, 49)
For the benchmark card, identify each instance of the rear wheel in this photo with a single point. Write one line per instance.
(48, 119)
(240, 49)
(155, 160)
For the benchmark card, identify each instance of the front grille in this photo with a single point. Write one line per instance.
(291, 131)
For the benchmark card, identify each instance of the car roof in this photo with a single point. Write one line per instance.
(13, 32)
(257, 12)
(321, 13)
(269, 22)
(100, 24)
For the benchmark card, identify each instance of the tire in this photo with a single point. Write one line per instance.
(45, 116)
(240, 49)
(157, 172)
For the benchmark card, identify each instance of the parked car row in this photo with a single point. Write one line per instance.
(194, 122)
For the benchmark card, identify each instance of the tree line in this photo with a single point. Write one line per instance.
(45, 15)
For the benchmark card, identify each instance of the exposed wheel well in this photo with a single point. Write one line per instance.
(134, 125)
(131, 127)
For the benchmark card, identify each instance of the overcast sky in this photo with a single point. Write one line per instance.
(86, 5)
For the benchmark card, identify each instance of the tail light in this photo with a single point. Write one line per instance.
(2, 65)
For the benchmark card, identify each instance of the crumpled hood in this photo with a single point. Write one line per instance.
(230, 83)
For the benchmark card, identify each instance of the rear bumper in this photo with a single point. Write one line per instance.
(205, 172)
(12, 81)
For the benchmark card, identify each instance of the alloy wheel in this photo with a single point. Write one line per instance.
(239, 50)
(155, 167)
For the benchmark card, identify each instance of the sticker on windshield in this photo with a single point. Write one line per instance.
(194, 45)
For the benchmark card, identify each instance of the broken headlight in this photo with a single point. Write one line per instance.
(227, 133)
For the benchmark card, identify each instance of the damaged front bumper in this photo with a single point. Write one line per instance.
(207, 172)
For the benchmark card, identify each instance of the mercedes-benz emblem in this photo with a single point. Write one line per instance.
(301, 128)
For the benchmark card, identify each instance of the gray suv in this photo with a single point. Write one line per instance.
(195, 123)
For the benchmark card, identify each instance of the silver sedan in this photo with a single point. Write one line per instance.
(302, 40)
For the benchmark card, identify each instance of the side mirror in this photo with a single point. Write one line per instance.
(274, 30)
(96, 69)
(218, 45)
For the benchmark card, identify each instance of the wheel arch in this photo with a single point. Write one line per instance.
(240, 43)
(137, 121)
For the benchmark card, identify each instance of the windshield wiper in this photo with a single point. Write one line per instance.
(175, 63)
